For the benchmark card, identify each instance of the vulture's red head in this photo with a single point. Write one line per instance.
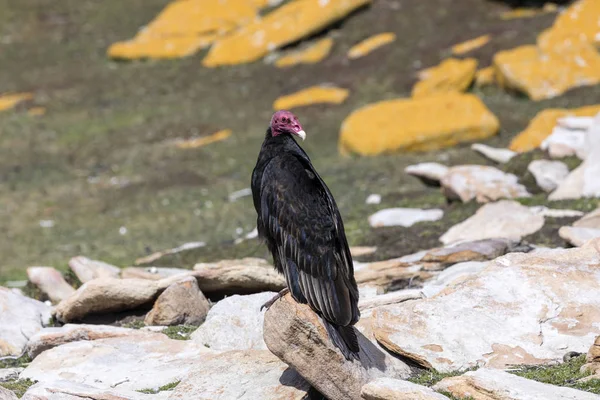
(286, 122)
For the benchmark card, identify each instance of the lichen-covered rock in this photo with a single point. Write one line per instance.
(375, 129)
(310, 55)
(311, 95)
(9, 100)
(87, 269)
(147, 45)
(396, 389)
(370, 44)
(470, 45)
(452, 75)
(485, 77)
(287, 24)
(51, 282)
(182, 303)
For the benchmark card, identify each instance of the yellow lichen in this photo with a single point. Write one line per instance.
(203, 141)
(288, 23)
(422, 124)
(368, 45)
(471, 45)
(485, 77)
(452, 75)
(542, 125)
(10, 100)
(310, 55)
(528, 12)
(311, 95)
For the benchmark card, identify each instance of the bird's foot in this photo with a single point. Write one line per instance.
(279, 295)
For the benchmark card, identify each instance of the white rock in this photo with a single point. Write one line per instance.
(591, 220)
(234, 323)
(493, 384)
(50, 282)
(580, 123)
(68, 390)
(482, 183)
(389, 298)
(20, 318)
(239, 194)
(429, 172)
(578, 236)
(503, 219)
(501, 156)
(6, 394)
(452, 275)
(395, 389)
(403, 216)
(357, 251)
(9, 374)
(243, 375)
(555, 213)
(548, 174)
(523, 308)
(87, 269)
(564, 142)
(137, 362)
(153, 273)
(373, 199)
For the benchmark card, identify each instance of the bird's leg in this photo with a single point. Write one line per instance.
(279, 295)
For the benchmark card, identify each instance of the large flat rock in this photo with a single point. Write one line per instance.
(521, 309)
(68, 390)
(396, 389)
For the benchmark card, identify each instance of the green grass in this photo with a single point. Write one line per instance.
(168, 386)
(8, 362)
(431, 377)
(180, 332)
(19, 387)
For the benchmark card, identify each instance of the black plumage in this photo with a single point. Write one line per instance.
(302, 227)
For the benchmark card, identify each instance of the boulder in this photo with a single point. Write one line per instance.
(395, 389)
(503, 219)
(451, 276)
(403, 217)
(50, 282)
(311, 95)
(6, 394)
(21, 318)
(490, 384)
(501, 156)
(370, 44)
(49, 338)
(250, 375)
(482, 183)
(68, 390)
(248, 275)
(452, 75)
(10, 374)
(459, 117)
(311, 54)
(548, 174)
(234, 323)
(87, 269)
(295, 334)
(531, 304)
(134, 362)
(591, 220)
(182, 303)
(578, 236)
(430, 173)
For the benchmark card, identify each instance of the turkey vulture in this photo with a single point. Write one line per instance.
(302, 227)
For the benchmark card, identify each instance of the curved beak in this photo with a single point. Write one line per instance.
(302, 134)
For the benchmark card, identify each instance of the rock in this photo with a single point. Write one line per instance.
(554, 213)
(10, 374)
(257, 375)
(259, 37)
(295, 334)
(501, 156)
(452, 275)
(373, 199)
(248, 275)
(234, 323)
(50, 282)
(478, 250)
(503, 219)
(385, 274)
(395, 389)
(591, 220)
(68, 390)
(578, 236)
(543, 123)
(485, 77)
(193, 143)
(182, 303)
(482, 183)
(370, 44)
(564, 142)
(311, 95)
(531, 304)
(312, 54)
(21, 317)
(592, 359)
(490, 384)
(6, 394)
(357, 251)
(87, 269)
(10, 100)
(49, 338)
(548, 174)
(153, 273)
(430, 173)
(389, 298)
(110, 295)
(458, 118)
(582, 181)
(403, 217)
(135, 362)
(470, 45)
(452, 75)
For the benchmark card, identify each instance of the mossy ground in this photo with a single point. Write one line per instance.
(168, 386)
(102, 157)
(19, 387)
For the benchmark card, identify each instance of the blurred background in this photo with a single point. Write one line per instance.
(131, 127)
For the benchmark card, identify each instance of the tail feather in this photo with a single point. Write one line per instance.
(344, 338)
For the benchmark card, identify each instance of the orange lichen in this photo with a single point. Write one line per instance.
(310, 55)
(288, 23)
(452, 75)
(368, 45)
(542, 125)
(485, 77)
(10, 100)
(311, 95)
(203, 141)
(422, 124)
(471, 45)
(528, 12)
